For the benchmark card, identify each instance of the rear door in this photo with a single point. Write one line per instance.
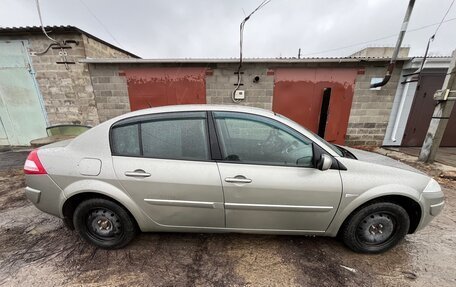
(163, 161)
(269, 179)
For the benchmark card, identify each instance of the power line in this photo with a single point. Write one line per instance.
(241, 40)
(101, 23)
(444, 16)
(431, 39)
(378, 39)
(41, 23)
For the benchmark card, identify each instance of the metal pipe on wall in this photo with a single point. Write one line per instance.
(392, 64)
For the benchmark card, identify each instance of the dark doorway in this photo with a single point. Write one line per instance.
(324, 112)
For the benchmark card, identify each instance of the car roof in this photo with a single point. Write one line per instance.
(202, 107)
(88, 137)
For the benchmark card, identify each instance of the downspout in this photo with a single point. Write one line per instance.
(391, 65)
(400, 110)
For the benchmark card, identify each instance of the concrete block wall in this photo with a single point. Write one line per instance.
(67, 93)
(369, 114)
(371, 109)
(111, 93)
(220, 85)
(96, 49)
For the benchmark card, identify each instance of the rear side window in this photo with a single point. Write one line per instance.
(175, 139)
(125, 140)
(168, 136)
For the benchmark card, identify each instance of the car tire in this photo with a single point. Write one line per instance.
(375, 228)
(104, 223)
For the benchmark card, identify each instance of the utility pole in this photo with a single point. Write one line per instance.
(446, 98)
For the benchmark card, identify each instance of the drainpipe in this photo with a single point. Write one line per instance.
(400, 110)
(389, 70)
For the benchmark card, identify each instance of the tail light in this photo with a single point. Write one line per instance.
(33, 164)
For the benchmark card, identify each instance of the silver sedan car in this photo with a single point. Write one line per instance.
(208, 168)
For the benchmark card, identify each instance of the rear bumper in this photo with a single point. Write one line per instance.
(44, 193)
(33, 194)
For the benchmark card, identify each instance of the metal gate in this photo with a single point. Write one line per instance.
(319, 99)
(22, 115)
(152, 87)
(421, 113)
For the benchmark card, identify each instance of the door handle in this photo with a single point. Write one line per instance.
(137, 173)
(238, 179)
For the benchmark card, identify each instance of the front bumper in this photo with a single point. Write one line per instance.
(44, 193)
(432, 204)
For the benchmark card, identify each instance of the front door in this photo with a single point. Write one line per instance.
(163, 162)
(268, 177)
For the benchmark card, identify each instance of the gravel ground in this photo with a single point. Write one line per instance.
(37, 250)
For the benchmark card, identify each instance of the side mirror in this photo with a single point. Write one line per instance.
(324, 163)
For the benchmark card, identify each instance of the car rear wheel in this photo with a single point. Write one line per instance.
(376, 227)
(104, 223)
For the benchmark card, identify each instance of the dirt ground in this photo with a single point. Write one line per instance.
(37, 250)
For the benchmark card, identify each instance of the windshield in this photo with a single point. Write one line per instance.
(330, 145)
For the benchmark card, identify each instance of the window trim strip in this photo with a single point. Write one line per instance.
(139, 120)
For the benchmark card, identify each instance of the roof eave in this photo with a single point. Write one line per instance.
(33, 30)
(235, 61)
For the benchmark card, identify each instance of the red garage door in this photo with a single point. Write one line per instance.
(318, 99)
(152, 87)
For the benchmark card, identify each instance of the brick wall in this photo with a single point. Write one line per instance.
(220, 85)
(371, 108)
(111, 93)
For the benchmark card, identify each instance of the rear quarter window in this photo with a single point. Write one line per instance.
(125, 140)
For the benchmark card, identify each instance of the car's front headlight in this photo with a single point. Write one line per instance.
(433, 186)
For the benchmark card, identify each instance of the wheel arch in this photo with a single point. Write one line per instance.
(69, 206)
(76, 192)
(405, 196)
(412, 207)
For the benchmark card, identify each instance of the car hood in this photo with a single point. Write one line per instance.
(379, 159)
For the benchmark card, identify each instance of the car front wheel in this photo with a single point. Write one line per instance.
(376, 227)
(104, 223)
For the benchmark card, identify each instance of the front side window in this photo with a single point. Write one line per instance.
(174, 136)
(254, 139)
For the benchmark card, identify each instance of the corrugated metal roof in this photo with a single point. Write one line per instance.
(29, 30)
(236, 60)
(282, 60)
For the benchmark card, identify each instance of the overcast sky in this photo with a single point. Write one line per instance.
(210, 28)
